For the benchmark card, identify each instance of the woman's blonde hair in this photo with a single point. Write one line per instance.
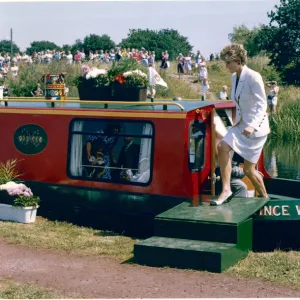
(234, 52)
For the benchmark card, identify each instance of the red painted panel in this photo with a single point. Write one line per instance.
(171, 176)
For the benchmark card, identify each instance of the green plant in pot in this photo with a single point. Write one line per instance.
(129, 80)
(12, 193)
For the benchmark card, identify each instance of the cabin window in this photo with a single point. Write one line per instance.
(111, 151)
(196, 146)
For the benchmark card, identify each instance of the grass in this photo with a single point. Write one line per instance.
(176, 88)
(277, 267)
(9, 289)
(66, 237)
(285, 124)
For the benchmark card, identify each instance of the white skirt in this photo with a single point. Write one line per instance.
(249, 148)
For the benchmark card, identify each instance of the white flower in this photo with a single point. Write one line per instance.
(95, 72)
(126, 74)
(14, 188)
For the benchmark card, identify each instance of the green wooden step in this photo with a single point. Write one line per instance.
(187, 254)
(228, 223)
(240, 234)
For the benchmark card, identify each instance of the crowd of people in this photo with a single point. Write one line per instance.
(186, 64)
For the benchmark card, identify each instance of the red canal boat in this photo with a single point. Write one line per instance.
(125, 166)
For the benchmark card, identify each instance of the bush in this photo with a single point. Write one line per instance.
(8, 171)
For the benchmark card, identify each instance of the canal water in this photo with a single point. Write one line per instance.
(282, 160)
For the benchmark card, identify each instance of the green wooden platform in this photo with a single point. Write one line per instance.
(211, 238)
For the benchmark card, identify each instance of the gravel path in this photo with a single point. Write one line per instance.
(101, 277)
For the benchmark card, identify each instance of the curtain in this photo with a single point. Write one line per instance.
(145, 156)
(76, 150)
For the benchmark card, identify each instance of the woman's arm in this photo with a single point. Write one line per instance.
(260, 101)
(88, 149)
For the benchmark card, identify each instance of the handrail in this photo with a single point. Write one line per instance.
(106, 103)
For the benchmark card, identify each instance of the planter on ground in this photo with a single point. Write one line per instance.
(17, 213)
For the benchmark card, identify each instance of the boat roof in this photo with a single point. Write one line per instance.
(158, 105)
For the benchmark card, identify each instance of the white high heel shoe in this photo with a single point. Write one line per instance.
(226, 199)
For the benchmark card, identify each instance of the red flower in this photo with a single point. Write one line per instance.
(120, 78)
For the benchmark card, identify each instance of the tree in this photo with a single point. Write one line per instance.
(5, 47)
(95, 42)
(281, 40)
(39, 46)
(66, 48)
(158, 41)
(247, 37)
(77, 46)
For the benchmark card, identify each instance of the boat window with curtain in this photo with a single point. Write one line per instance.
(115, 151)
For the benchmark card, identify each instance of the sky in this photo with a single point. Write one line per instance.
(205, 23)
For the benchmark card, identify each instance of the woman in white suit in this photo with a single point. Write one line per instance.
(249, 133)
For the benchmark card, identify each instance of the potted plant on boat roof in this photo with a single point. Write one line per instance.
(129, 80)
(17, 203)
(93, 84)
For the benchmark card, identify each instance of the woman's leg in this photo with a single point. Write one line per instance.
(255, 177)
(225, 167)
(274, 108)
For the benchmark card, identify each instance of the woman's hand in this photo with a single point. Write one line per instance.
(248, 131)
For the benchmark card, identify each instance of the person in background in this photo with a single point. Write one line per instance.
(1, 60)
(4, 70)
(66, 91)
(180, 64)
(102, 57)
(202, 71)
(47, 58)
(118, 54)
(223, 93)
(106, 139)
(96, 57)
(145, 57)
(238, 187)
(151, 60)
(272, 96)
(14, 70)
(38, 92)
(82, 54)
(204, 89)
(128, 160)
(188, 64)
(77, 57)
(164, 60)
(91, 56)
(112, 56)
(69, 58)
(5, 91)
(198, 59)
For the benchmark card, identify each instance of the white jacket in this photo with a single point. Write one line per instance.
(251, 102)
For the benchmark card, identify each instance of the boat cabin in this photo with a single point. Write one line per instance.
(115, 164)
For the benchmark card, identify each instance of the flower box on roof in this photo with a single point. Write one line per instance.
(124, 81)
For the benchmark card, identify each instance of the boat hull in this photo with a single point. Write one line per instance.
(276, 225)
